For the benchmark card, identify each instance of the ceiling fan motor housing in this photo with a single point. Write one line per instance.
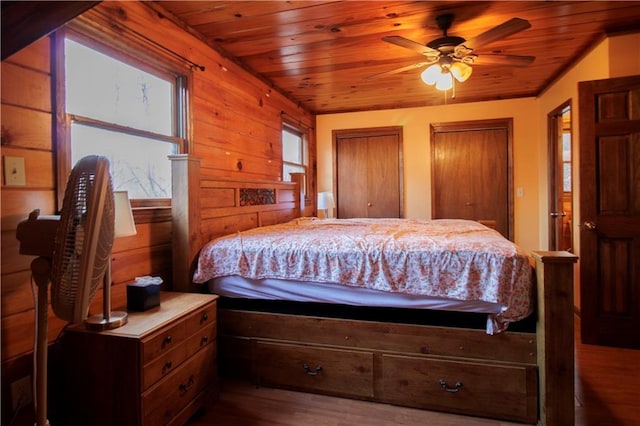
(445, 44)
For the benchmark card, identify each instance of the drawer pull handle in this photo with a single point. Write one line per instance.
(450, 389)
(167, 340)
(311, 372)
(167, 366)
(204, 340)
(185, 388)
(205, 317)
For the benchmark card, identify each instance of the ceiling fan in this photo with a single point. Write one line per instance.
(452, 56)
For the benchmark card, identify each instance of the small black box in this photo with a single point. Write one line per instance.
(142, 296)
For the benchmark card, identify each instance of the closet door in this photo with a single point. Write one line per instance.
(471, 173)
(352, 162)
(382, 177)
(368, 168)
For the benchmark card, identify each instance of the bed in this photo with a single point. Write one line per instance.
(387, 353)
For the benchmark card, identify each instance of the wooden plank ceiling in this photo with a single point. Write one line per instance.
(323, 53)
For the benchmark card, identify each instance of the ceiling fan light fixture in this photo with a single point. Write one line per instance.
(461, 71)
(431, 74)
(455, 55)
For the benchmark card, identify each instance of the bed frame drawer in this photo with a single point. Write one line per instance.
(495, 390)
(313, 368)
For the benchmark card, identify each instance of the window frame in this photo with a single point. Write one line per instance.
(303, 134)
(567, 130)
(126, 50)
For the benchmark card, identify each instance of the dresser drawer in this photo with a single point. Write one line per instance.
(165, 341)
(163, 401)
(335, 371)
(483, 389)
(201, 318)
(168, 361)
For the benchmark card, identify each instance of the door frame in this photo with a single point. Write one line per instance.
(474, 125)
(365, 133)
(554, 158)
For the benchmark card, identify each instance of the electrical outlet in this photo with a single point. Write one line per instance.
(21, 393)
(14, 171)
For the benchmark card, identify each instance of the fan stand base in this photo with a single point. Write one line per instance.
(100, 322)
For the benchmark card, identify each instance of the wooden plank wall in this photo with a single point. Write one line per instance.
(26, 132)
(235, 118)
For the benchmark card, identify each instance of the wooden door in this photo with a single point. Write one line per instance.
(352, 162)
(383, 179)
(368, 164)
(471, 173)
(610, 211)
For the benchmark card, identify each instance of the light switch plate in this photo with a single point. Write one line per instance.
(14, 171)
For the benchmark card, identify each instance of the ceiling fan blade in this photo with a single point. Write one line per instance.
(503, 30)
(411, 45)
(399, 70)
(510, 60)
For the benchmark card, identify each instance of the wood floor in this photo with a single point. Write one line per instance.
(607, 394)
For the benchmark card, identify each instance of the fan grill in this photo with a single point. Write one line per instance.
(87, 209)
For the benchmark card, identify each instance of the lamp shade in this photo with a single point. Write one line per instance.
(124, 223)
(325, 200)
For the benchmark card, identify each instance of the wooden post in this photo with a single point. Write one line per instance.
(555, 336)
(298, 178)
(185, 210)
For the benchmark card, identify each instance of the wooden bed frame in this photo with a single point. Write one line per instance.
(525, 377)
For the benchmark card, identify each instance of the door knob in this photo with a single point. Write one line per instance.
(589, 225)
(558, 214)
(369, 204)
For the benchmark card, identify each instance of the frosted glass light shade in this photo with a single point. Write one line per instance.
(445, 81)
(124, 223)
(430, 75)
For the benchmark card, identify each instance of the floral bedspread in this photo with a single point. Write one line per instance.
(452, 258)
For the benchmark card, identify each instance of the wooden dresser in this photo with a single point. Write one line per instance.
(157, 369)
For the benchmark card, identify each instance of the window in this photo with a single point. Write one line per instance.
(128, 111)
(566, 161)
(566, 150)
(295, 156)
